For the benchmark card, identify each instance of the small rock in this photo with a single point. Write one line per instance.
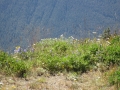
(10, 81)
(40, 71)
(1, 83)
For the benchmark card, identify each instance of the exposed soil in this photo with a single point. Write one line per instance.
(94, 80)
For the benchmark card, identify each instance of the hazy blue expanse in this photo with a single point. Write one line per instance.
(23, 22)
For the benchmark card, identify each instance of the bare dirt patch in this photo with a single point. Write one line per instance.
(87, 81)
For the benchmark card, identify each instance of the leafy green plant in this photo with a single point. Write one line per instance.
(114, 78)
(61, 47)
(94, 48)
(113, 54)
(115, 40)
(23, 55)
(57, 55)
(10, 65)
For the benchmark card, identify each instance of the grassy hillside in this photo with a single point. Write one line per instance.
(59, 55)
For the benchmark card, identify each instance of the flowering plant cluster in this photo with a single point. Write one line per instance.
(64, 54)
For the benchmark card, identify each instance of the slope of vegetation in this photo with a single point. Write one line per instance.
(62, 54)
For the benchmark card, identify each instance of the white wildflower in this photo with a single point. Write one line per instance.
(108, 42)
(94, 32)
(1, 83)
(98, 39)
(61, 35)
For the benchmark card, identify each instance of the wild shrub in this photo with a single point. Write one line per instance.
(20, 68)
(58, 55)
(93, 48)
(80, 63)
(115, 40)
(112, 54)
(26, 55)
(53, 64)
(62, 55)
(3, 56)
(23, 55)
(114, 78)
(70, 63)
(61, 47)
(10, 65)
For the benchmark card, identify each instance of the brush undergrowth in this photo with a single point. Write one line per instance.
(9, 65)
(65, 54)
(114, 78)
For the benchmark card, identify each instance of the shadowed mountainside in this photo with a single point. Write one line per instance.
(23, 22)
